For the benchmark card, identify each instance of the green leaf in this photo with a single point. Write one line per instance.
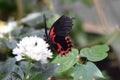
(17, 31)
(95, 53)
(51, 20)
(23, 65)
(15, 74)
(28, 31)
(87, 72)
(37, 76)
(2, 76)
(44, 71)
(7, 65)
(11, 44)
(33, 19)
(67, 61)
(10, 71)
(8, 43)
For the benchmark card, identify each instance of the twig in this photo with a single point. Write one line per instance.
(115, 35)
(101, 15)
(98, 29)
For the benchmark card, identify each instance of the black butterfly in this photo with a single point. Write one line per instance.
(58, 37)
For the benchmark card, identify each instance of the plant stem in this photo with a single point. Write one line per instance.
(27, 70)
(20, 8)
(101, 15)
(114, 36)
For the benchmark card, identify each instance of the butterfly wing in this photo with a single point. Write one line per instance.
(59, 34)
(62, 26)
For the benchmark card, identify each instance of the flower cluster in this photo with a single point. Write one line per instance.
(34, 48)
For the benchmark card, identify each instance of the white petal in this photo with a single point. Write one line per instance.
(33, 47)
(18, 58)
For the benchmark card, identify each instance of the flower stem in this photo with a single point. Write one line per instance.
(27, 70)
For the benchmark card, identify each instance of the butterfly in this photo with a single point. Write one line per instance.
(58, 37)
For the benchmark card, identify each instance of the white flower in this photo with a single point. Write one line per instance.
(7, 28)
(34, 48)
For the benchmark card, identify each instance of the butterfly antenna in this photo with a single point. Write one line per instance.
(45, 25)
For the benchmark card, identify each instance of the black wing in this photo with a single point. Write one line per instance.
(62, 26)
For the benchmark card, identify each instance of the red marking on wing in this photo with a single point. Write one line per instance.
(51, 32)
(60, 49)
(52, 35)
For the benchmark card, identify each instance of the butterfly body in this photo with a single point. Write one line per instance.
(58, 37)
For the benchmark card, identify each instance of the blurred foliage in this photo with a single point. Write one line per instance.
(7, 5)
(88, 2)
(7, 8)
(68, 1)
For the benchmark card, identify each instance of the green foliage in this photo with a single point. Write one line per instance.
(88, 2)
(29, 31)
(87, 71)
(33, 19)
(42, 71)
(68, 1)
(80, 37)
(36, 18)
(10, 70)
(11, 44)
(51, 20)
(67, 61)
(95, 53)
(7, 5)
